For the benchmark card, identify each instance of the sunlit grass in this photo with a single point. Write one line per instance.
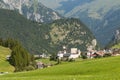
(116, 46)
(95, 69)
(46, 61)
(4, 65)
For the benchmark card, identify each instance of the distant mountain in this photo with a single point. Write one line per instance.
(101, 16)
(31, 9)
(44, 38)
(117, 36)
(115, 39)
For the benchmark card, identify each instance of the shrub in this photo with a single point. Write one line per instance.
(107, 55)
(28, 68)
(84, 55)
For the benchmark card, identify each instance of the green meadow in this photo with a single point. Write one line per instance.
(4, 65)
(46, 61)
(116, 46)
(93, 69)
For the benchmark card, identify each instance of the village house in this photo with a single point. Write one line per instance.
(100, 53)
(116, 52)
(72, 54)
(40, 65)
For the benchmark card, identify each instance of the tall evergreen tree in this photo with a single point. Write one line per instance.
(20, 58)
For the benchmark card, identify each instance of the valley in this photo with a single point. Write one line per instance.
(100, 16)
(40, 38)
(59, 40)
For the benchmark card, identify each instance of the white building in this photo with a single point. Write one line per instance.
(60, 54)
(74, 53)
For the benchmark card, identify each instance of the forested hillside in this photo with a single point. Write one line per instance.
(44, 38)
(14, 25)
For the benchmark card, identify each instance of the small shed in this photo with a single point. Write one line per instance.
(40, 65)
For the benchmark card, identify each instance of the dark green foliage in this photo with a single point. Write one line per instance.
(97, 55)
(28, 68)
(19, 58)
(107, 55)
(53, 57)
(84, 55)
(1, 41)
(29, 33)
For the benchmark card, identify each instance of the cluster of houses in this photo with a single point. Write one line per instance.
(100, 53)
(90, 53)
(73, 53)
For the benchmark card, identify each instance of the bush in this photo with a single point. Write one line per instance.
(96, 55)
(84, 55)
(53, 57)
(107, 55)
(29, 68)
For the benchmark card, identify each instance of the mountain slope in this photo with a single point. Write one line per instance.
(72, 33)
(4, 65)
(115, 41)
(97, 69)
(44, 38)
(101, 16)
(31, 9)
(14, 25)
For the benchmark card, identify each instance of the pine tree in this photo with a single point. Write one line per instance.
(20, 58)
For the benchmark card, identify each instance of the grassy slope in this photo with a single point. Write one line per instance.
(98, 69)
(116, 46)
(46, 61)
(4, 65)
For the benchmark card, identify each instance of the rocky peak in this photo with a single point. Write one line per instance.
(32, 9)
(117, 35)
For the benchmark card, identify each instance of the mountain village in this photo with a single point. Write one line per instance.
(74, 53)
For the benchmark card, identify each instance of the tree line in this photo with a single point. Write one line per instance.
(20, 58)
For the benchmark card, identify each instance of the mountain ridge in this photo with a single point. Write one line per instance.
(44, 38)
(32, 10)
(100, 16)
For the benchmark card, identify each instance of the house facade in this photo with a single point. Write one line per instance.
(72, 54)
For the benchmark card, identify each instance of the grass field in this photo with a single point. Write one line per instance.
(95, 69)
(116, 46)
(46, 61)
(4, 65)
